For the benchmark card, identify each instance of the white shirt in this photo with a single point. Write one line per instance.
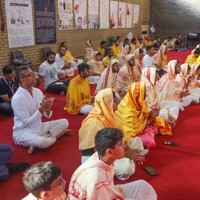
(49, 72)
(25, 107)
(148, 61)
(60, 61)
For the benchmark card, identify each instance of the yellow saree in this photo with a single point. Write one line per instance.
(101, 116)
(78, 95)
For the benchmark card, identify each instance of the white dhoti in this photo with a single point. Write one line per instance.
(186, 101)
(138, 190)
(42, 136)
(125, 167)
(170, 109)
(93, 79)
(86, 109)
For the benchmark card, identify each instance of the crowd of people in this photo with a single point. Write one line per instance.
(138, 95)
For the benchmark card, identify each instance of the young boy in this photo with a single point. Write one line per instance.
(93, 180)
(44, 181)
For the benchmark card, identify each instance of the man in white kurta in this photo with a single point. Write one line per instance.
(29, 105)
(93, 180)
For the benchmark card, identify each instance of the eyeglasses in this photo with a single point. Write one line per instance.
(60, 182)
(31, 74)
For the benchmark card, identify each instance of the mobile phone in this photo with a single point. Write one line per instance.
(150, 171)
(171, 143)
(144, 152)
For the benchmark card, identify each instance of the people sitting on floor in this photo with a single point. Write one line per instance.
(167, 91)
(140, 44)
(169, 44)
(44, 181)
(108, 78)
(8, 86)
(137, 119)
(133, 44)
(94, 178)
(78, 97)
(182, 82)
(89, 52)
(193, 57)
(161, 60)
(158, 42)
(108, 56)
(69, 58)
(101, 48)
(127, 75)
(179, 45)
(115, 49)
(138, 55)
(148, 60)
(29, 105)
(194, 84)
(48, 75)
(64, 69)
(6, 167)
(102, 116)
(96, 68)
(168, 110)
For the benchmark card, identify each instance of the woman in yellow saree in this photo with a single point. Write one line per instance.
(133, 113)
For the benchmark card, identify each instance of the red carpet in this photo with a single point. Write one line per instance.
(178, 167)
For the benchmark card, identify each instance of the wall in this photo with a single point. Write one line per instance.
(75, 39)
(170, 17)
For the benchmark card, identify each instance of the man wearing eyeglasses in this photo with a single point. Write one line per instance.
(29, 105)
(8, 86)
(44, 181)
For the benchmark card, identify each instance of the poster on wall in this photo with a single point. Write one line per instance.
(104, 14)
(114, 14)
(65, 14)
(136, 13)
(80, 14)
(122, 15)
(129, 15)
(93, 14)
(19, 23)
(45, 21)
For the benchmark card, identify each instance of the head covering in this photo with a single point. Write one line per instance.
(184, 71)
(101, 116)
(136, 53)
(149, 78)
(108, 78)
(159, 56)
(129, 57)
(132, 111)
(194, 68)
(171, 74)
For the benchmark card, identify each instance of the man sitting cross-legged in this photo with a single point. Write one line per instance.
(78, 98)
(48, 74)
(93, 180)
(29, 105)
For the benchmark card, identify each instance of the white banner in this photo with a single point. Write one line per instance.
(93, 14)
(65, 12)
(129, 15)
(19, 23)
(104, 14)
(80, 14)
(114, 14)
(136, 14)
(122, 15)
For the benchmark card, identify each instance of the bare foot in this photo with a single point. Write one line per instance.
(30, 150)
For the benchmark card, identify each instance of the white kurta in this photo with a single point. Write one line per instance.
(29, 130)
(93, 180)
